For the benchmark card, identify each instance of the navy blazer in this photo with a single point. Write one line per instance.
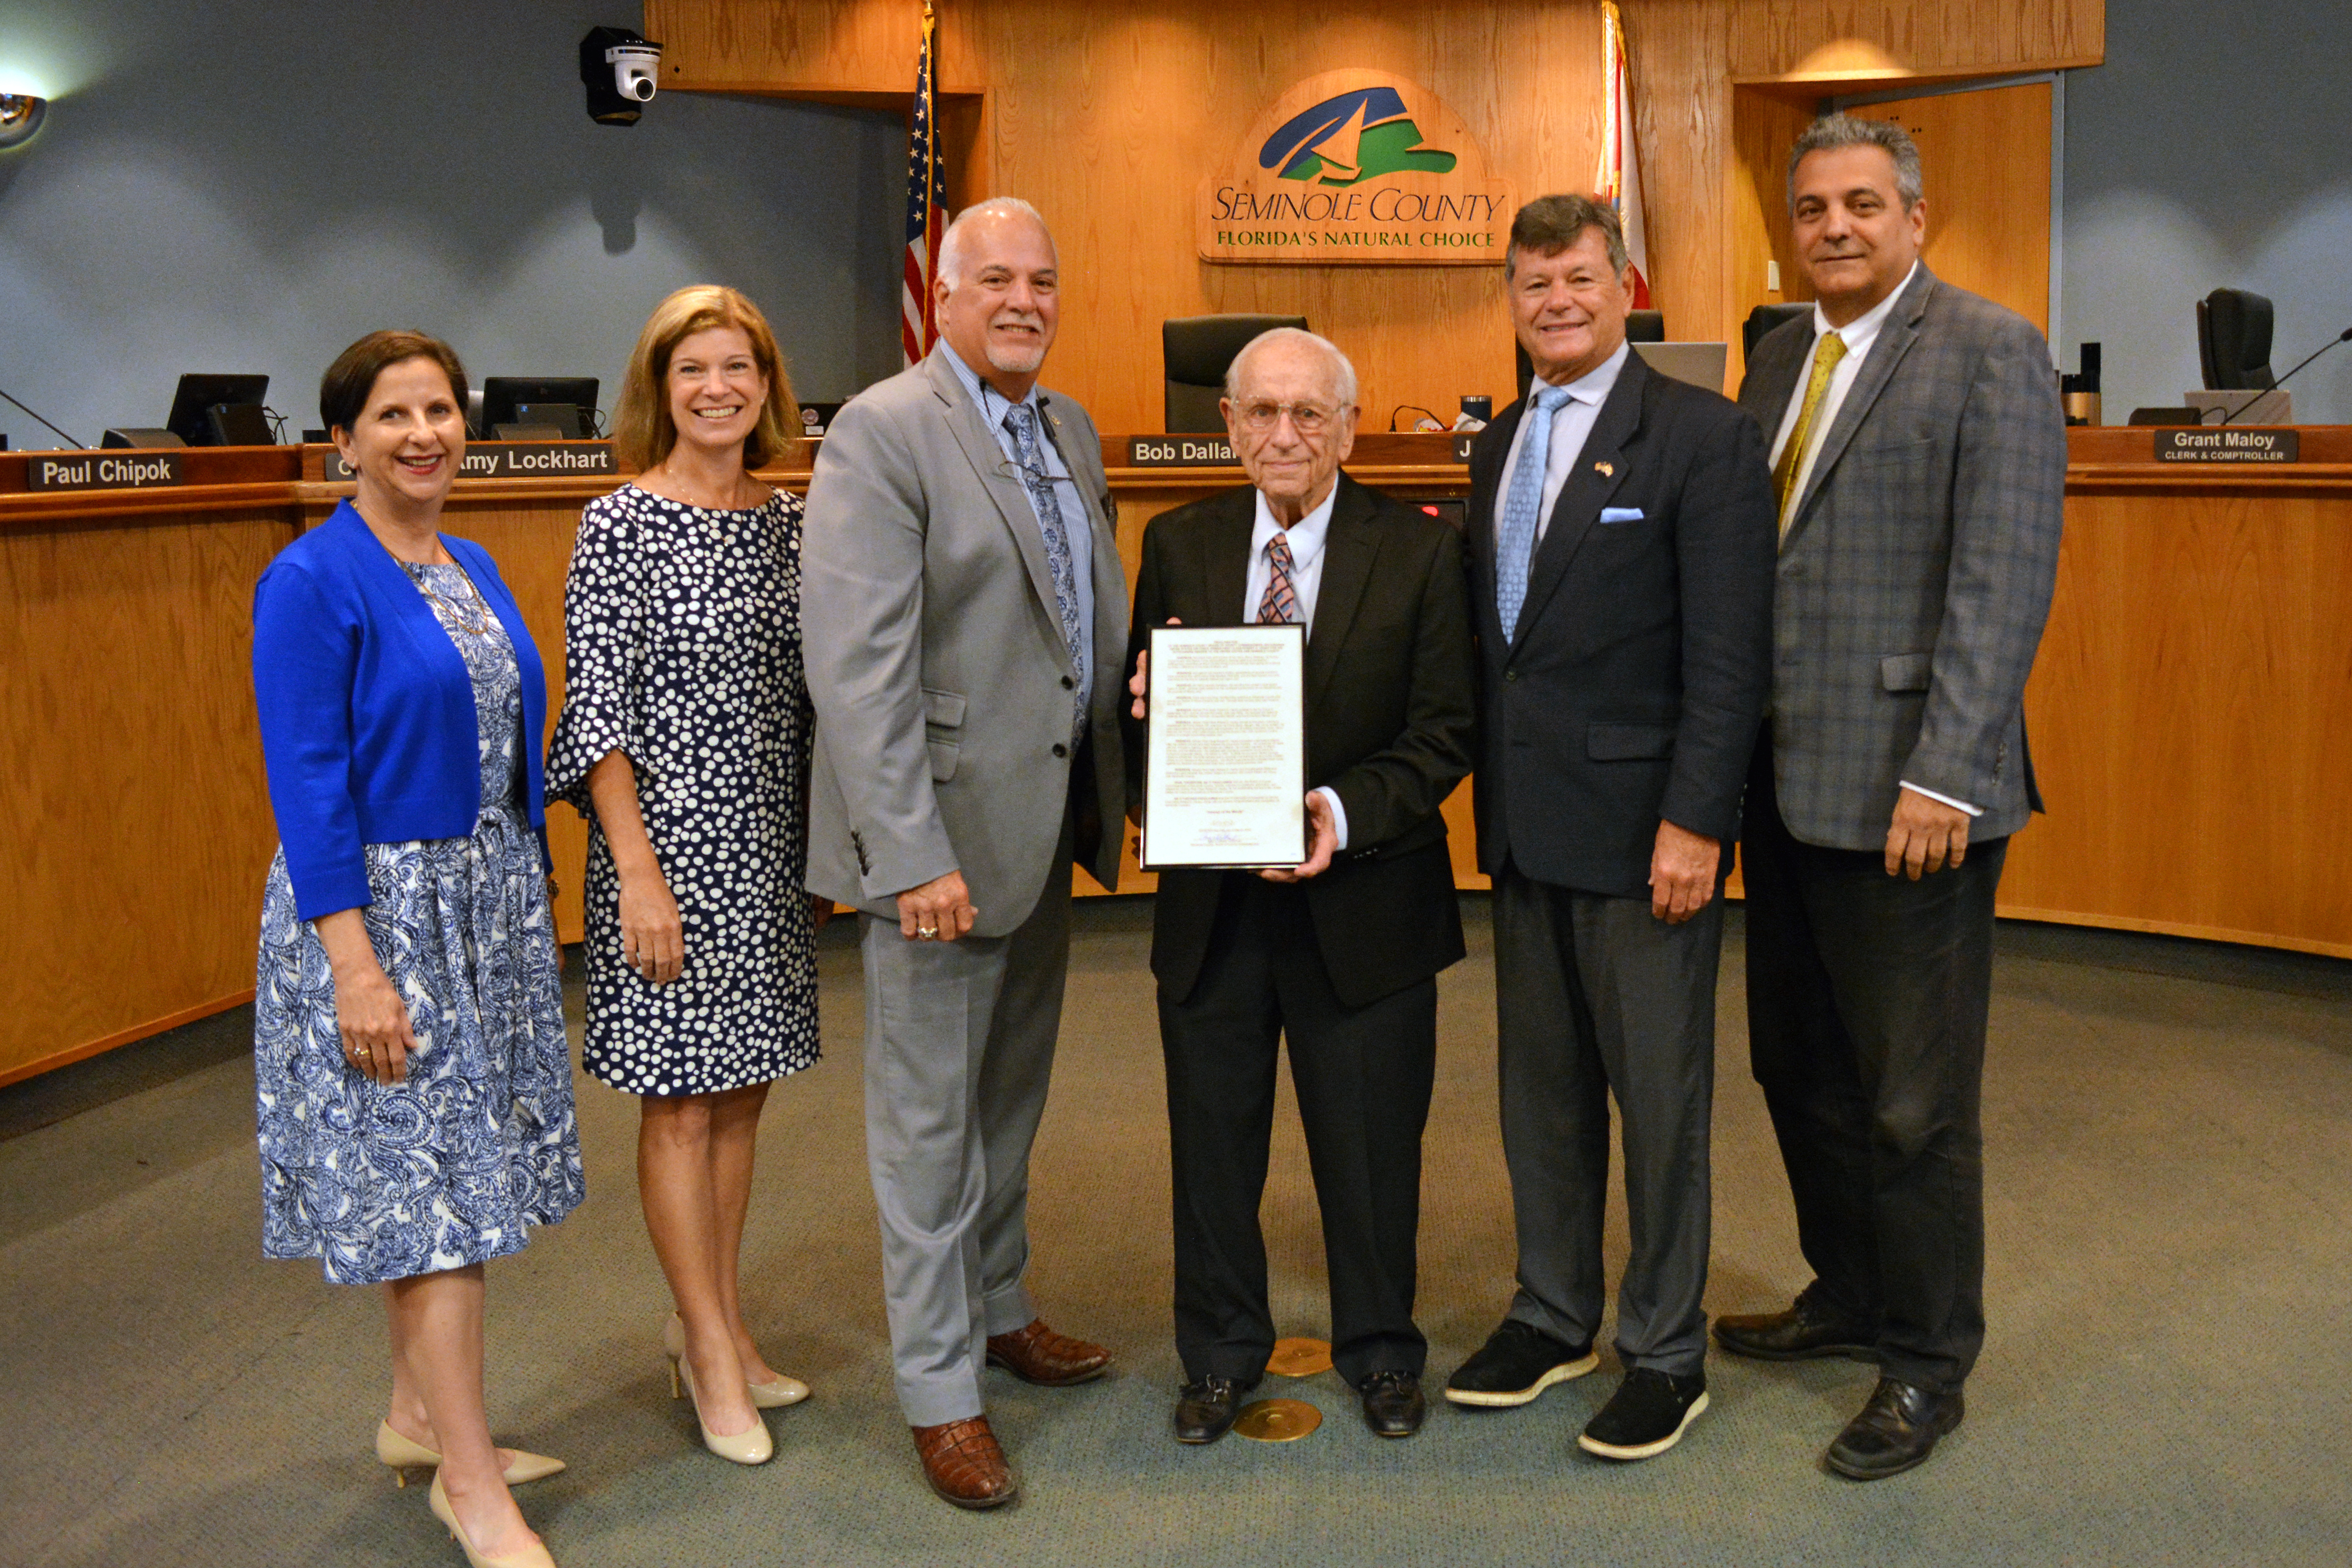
(1634, 683)
(368, 729)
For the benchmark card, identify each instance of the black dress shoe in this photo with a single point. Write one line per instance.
(1800, 1334)
(1896, 1430)
(1206, 1410)
(1647, 1415)
(1518, 1363)
(1392, 1404)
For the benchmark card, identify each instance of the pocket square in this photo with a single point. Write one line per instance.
(1621, 514)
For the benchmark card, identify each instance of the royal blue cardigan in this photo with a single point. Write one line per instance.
(367, 711)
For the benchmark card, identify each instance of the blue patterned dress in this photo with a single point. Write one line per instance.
(454, 1166)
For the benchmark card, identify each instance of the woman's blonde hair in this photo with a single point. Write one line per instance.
(643, 430)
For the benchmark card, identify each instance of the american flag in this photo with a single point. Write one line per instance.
(927, 208)
(1618, 181)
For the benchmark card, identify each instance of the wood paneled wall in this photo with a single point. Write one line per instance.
(1106, 116)
(134, 823)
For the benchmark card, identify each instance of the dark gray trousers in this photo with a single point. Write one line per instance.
(1596, 995)
(1867, 1002)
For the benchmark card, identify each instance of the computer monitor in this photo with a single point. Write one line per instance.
(502, 396)
(198, 395)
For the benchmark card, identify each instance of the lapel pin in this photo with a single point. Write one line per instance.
(1605, 470)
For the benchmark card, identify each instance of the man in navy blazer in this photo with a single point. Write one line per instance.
(1620, 543)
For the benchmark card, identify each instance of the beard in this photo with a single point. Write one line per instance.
(1018, 361)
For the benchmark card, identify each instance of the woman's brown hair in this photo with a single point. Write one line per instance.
(343, 390)
(643, 430)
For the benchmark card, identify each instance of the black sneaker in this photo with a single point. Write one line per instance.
(1518, 1362)
(1646, 1415)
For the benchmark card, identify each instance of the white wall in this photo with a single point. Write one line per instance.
(2212, 150)
(250, 184)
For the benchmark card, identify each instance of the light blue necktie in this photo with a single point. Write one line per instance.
(1021, 420)
(1515, 543)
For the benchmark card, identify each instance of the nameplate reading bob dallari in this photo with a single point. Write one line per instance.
(1225, 772)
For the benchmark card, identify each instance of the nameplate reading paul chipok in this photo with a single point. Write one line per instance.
(1225, 777)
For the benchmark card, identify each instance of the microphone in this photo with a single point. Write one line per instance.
(2343, 337)
(85, 446)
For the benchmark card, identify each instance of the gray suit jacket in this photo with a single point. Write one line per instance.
(1917, 568)
(935, 655)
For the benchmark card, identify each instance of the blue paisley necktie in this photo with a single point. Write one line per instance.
(1021, 419)
(1515, 543)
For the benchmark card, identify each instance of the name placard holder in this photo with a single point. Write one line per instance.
(510, 460)
(134, 470)
(2222, 444)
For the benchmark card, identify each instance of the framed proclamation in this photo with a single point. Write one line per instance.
(1224, 772)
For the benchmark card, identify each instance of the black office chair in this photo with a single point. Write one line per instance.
(1763, 319)
(1197, 351)
(1641, 327)
(2233, 340)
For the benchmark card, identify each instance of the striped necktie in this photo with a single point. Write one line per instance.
(1280, 605)
(1826, 354)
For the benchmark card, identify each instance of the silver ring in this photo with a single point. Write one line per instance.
(926, 931)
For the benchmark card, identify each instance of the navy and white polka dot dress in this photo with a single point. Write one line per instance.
(683, 649)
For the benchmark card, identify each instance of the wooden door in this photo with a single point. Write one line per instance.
(1986, 157)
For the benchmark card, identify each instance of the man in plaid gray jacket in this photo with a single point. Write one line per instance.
(1919, 462)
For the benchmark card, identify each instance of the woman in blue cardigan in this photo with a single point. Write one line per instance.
(414, 1077)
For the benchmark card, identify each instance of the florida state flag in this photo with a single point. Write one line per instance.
(1618, 181)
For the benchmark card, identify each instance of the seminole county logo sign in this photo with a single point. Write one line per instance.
(1357, 165)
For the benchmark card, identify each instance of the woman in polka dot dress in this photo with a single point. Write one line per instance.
(685, 740)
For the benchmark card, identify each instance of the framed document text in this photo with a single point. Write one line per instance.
(1225, 772)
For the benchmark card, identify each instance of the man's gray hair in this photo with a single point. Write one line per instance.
(1550, 225)
(1832, 132)
(951, 242)
(1342, 372)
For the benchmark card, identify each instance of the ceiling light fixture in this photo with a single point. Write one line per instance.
(20, 118)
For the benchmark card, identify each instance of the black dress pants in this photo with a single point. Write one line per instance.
(1363, 1076)
(1867, 998)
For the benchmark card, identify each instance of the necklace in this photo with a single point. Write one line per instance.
(461, 611)
(687, 499)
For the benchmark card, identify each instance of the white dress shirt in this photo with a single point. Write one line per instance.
(1078, 532)
(1307, 540)
(1860, 334)
(1572, 423)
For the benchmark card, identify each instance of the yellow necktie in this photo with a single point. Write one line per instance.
(1826, 354)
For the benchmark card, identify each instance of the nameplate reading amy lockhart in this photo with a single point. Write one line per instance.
(513, 460)
(1180, 452)
(1225, 777)
(2221, 444)
(92, 471)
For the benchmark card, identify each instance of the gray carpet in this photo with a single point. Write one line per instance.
(2171, 1258)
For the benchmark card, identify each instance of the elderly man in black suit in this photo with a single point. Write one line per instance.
(1339, 954)
(1920, 460)
(1621, 529)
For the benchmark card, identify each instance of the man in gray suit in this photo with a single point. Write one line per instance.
(1919, 458)
(964, 614)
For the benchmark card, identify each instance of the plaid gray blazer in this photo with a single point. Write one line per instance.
(1917, 568)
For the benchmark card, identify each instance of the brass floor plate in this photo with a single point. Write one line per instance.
(1278, 1420)
(1300, 1358)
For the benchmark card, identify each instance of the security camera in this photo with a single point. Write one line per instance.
(619, 68)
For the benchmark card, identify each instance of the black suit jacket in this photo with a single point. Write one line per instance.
(1636, 677)
(1390, 716)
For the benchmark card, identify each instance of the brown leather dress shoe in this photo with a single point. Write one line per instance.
(964, 1465)
(1039, 1355)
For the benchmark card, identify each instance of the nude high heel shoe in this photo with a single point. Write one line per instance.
(785, 1390)
(402, 1456)
(528, 1557)
(752, 1445)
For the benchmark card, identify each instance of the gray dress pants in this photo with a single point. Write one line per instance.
(959, 1049)
(1595, 995)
